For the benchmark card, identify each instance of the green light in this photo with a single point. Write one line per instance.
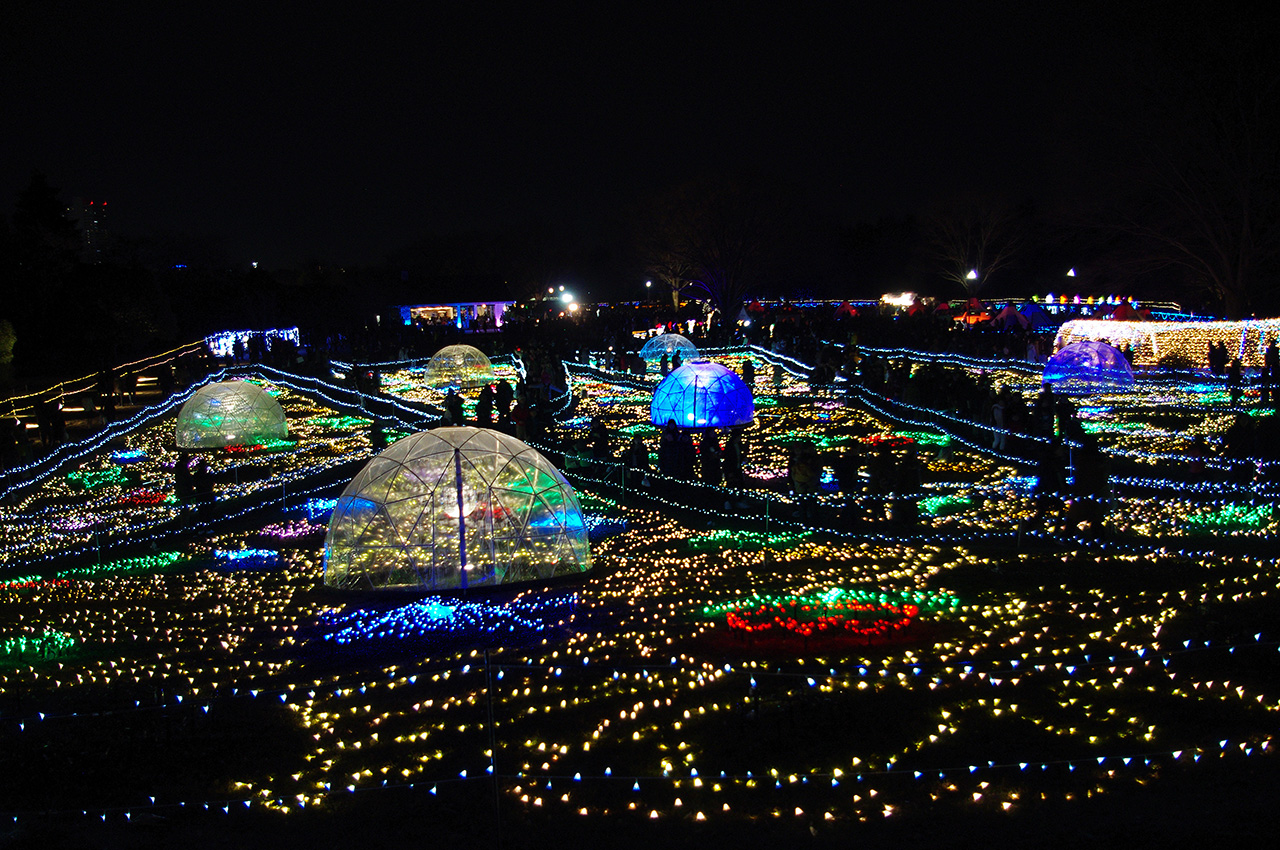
(926, 438)
(751, 541)
(1230, 518)
(127, 566)
(93, 480)
(50, 642)
(943, 505)
(339, 423)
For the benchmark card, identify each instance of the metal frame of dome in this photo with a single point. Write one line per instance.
(1088, 366)
(455, 508)
(702, 395)
(229, 413)
(459, 366)
(668, 344)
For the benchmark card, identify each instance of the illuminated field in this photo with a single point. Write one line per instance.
(712, 667)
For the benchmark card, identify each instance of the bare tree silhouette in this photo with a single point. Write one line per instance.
(973, 239)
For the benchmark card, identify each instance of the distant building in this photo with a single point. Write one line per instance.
(468, 315)
(466, 302)
(90, 219)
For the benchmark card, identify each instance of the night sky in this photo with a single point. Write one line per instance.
(295, 133)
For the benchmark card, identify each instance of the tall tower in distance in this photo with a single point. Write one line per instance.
(89, 218)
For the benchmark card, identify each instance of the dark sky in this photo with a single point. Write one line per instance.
(293, 131)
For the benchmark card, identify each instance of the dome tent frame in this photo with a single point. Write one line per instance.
(1087, 367)
(229, 413)
(463, 367)
(702, 395)
(451, 509)
(668, 344)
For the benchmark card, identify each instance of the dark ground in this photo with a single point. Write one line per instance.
(1217, 806)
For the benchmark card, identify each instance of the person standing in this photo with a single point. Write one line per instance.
(846, 467)
(733, 460)
(997, 419)
(711, 458)
(1270, 372)
(484, 407)
(182, 487)
(453, 406)
(520, 417)
(686, 455)
(503, 397)
(600, 439)
(669, 450)
(1235, 375)
(636, 461)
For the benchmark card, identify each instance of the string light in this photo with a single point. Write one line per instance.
(616, 695)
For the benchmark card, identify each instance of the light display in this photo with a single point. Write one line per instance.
(668, 344)
(1027, 678)
(835, 610)
(459, 367)
(44, 645)
(224, 344)
(1178, 345)
(702, 395)
(229, 413)
(442, 618)
(1088, 367)
(455, 508)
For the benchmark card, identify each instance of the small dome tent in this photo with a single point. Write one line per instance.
(668, 344)
(1088, 367)
(459, 367)
(702, 395)
(230, 413)
(454, 508)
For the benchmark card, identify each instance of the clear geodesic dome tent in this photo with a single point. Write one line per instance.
(1088, 367)
(459, 366)
(702, 395)
(230, 413)
(668, 344)
(454, 508)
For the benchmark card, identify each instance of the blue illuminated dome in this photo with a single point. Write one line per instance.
(454, 508)
(668, 344)
(702, 395)
(1089, 367)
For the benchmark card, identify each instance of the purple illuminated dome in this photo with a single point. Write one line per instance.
(1089, 367)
